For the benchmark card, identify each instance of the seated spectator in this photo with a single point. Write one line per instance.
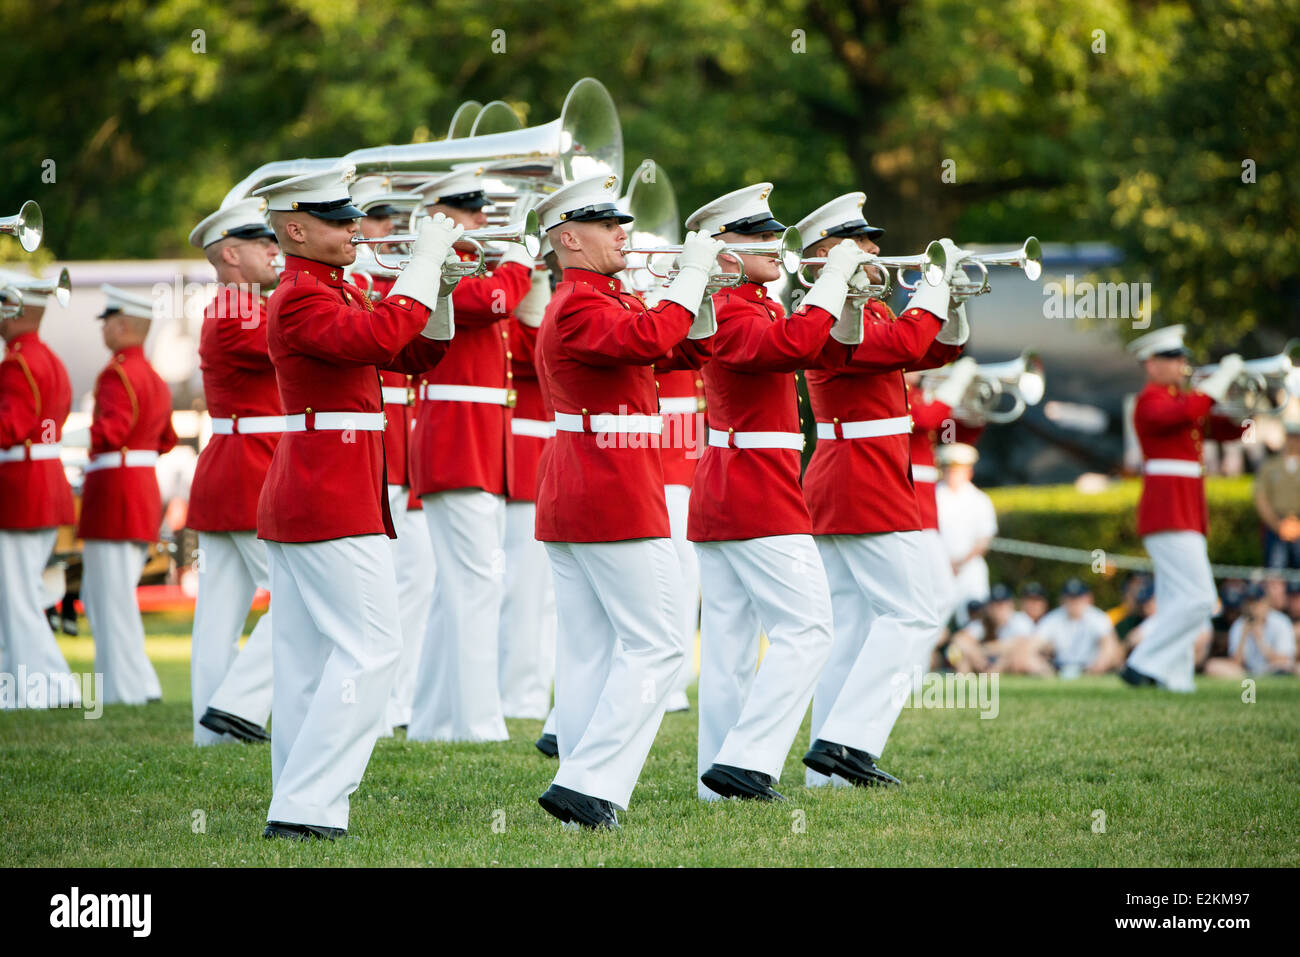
(1080, 634)
(998, 638)
(1141, 605)
(1277, 500)
(1033, 601)
(1261, 642)
(1230, 596)
(1293, 601)
(1129, 603)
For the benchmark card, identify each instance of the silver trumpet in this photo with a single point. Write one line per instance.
(786, 249)
(27, 225)
(651, 201)
(1029, 258)
(1257, 389)
(524, 233)
(59, 287)
(931, 263)
(1021, 379)
(11, 302)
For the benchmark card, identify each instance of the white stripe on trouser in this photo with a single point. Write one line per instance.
(110, 573)
(749, 720)
(678, 499)
(943, 587)
(336, 644)
(232, 566)
(25, 637)
(526, 662)
(456, 691)
(885, 626)
(616, 657)
(1184, 602)
(413, 561)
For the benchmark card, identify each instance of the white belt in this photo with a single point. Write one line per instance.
(396, 395)
(537, 428)
(132, 458)
(925, 473)
(335, 422)
(467, 393)
(866, 429)
(756, 440)
(678, 404)
(1180, 467)
(248, 425)
(36, 452)
(609, 422)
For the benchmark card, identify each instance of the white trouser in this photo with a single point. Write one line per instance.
(678, 498)
(457, 697)
(110, 574)
(527, 644)
(943, 588)
(749, 720)
(1184, 600)
(616, 658)
(548, 726)
(232, 566)
(25, 637)
(413, 561)
(885, 623)
(336, 645)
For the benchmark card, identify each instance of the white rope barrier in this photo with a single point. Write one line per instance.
(1081, 556)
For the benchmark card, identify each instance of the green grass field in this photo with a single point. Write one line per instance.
(1200, 779)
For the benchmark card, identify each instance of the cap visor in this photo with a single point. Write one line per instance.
(343, 212)
(766, 226)
(597, 215)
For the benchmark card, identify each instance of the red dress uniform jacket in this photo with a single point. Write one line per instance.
(927, 419)
(863, 486)
(326, 340)
(530, 415)
(34, 402)
(238, 382)
(1171, 424)
(133, 411)
(597, 351)
(399, 409)
(457, 444)
(749, 385)
(686, 434)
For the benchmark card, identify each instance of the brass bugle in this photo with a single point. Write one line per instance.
(524, 233)
(27, 225)
(1028, 258)
(59, 287)
(931, 263)
(786, 249)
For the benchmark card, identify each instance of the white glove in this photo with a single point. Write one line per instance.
(848, 329)
(1216, 384)
(956, 330)
(832, 285)
(532, 307)
(421, 279)
(442, 320)
(960, 375)
(705, 324)
(698, 260)
(514, 253)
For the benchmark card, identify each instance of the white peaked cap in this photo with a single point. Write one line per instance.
(375, 191)
(322, 194)
(119, 300)
(841, 217)
(956, 453)
(1168, 339)
(587, 199)
(741, 211)
(246, 218)
(464, 182)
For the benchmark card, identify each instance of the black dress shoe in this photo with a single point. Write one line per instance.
(303, 832)
(549, 746)
(732, 782)
(1136, 678)
(852, 764)
(223, 722)
(570, 805)
(70, 627)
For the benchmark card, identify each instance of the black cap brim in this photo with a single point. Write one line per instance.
(593, 214)
(382, 210)
(334, 215)
(1180, 353)
(753, 228)
(469, 201)
(255, 231)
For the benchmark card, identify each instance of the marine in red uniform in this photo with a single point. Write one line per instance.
(323, 511)
(121, 505)
(461, 460)
(1171, 422)
(758, 564)
(34, 500)
(876, 562)
(231, 687)
(600, 499)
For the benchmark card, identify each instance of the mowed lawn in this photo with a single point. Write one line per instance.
(1202, 779)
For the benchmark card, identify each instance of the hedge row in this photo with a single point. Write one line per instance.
(1061, 515)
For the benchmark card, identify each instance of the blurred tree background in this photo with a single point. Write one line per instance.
(1168, 129)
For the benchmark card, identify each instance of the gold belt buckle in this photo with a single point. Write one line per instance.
(511, 398)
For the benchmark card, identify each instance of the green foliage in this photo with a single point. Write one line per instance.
(1140, 144)
(1061, 515)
